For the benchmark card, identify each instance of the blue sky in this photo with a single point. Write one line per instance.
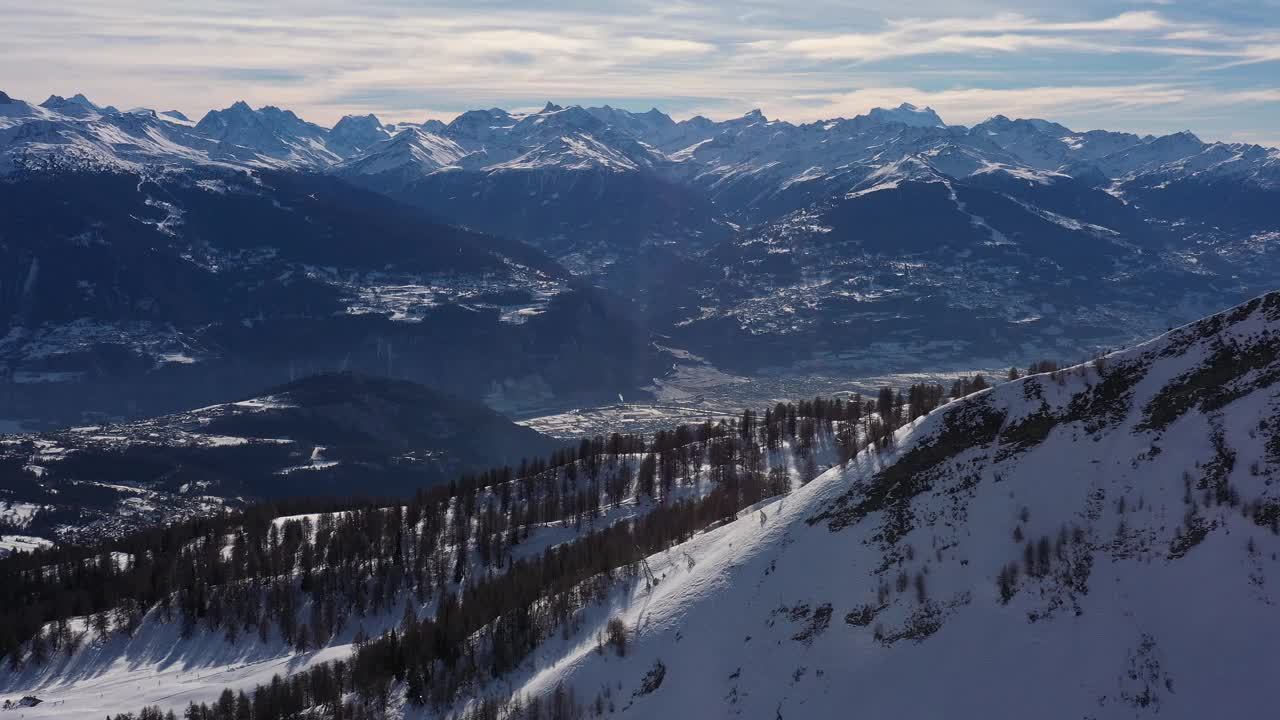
(1211, 67)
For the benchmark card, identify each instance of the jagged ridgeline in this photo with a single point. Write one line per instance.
(1088, 541)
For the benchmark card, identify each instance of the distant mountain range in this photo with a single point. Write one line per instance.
(753, 242)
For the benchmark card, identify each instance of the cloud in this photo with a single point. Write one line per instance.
(1007, 33)
(1009, 22)
(668, 46)
(970, 105)
(1085, 62)
(1266, 95)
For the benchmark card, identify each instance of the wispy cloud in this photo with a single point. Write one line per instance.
(1149, 67)
(969, 105)
(1131, 32)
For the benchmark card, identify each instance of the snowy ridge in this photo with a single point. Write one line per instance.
(412, 152)
(1075, 544)
(721, 157)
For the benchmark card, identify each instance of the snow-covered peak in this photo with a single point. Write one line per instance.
(652, 126)
(408, 155)
(16, 112)
(270, 132)
(354, 134)
(77, 106)
(1152, 154)
(1000, 124)
(480, 125)
(575, 151)
(906, 114)
(556, 119)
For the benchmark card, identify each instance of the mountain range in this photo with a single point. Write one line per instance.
(758, 244)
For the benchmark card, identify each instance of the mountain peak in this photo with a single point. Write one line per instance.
(906, 114)
(77, 106)
(551, 107)
(4, 98)
(360, 120)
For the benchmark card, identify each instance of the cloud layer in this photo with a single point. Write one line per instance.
(1154, 68)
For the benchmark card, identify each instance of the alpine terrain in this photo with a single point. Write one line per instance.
(1076, 542)
(572, 254)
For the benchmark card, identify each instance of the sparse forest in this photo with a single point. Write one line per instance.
(300, 571)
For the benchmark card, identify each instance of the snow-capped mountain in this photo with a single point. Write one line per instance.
(907, 114)
(754, 168)
(405, 157)
(730, 230)
(355, 134)
(270, 132)
(1083, 543)
(704, 152)
(77, 106)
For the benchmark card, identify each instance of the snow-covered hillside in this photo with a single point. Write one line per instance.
(1097, 542)
(106, 669)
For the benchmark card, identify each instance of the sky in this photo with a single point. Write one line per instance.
(1160, 66)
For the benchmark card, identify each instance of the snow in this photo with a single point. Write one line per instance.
(21, 543)
(713, 156)
(411, 151)
(317, 461)
(1138, 641)
(266, 402)
(158, 667)
(17, 514)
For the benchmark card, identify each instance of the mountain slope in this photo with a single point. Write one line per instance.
(917, 268)
(133, 295)
(1097, 542)
(331, 434)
